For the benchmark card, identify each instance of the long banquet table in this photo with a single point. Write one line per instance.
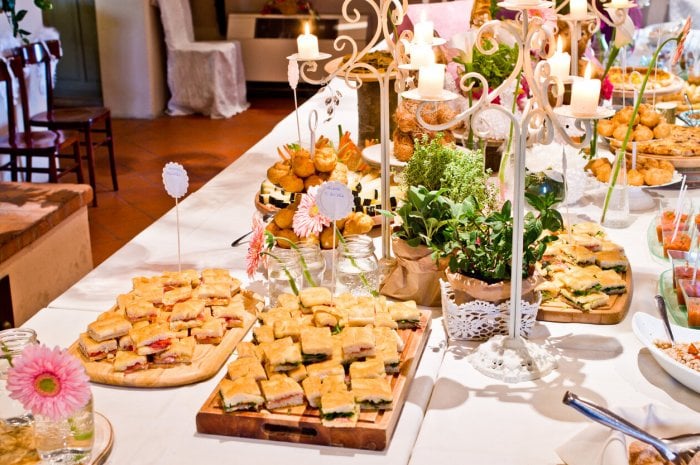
(452, 412)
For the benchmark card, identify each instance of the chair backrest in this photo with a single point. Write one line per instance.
(7, 78)
(176, 16)
(35, 54)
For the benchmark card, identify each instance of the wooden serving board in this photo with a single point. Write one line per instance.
(303, 425)
(610, 314)
(207, 360)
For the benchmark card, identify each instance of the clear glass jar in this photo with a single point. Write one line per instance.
(315, 264)
(283, 270)
(12, 343)
(357, 269)
(69, 440)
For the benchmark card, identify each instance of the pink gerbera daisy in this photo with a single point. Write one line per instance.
(48, 382)
(257, 242)
(308, 219)
(681, 41)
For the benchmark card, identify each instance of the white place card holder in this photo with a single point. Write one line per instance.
(334, 200)
(176, 182)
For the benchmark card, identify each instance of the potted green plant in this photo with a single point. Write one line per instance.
(479, 250)
(438, 177)
(423, 220)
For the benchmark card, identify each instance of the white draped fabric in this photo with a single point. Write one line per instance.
(203, 77)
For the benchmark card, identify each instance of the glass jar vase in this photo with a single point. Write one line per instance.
(283, 273)
(315, 265)
(357, 267)
(12, 343)
(69, 440)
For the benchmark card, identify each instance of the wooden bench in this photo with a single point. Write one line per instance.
(44, 245)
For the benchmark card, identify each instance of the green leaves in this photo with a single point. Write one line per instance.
(496, 67)
(16, 17)
(458, 173)
(424, 217)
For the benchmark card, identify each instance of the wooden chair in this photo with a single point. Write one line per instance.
(30, 144)
(86, 120)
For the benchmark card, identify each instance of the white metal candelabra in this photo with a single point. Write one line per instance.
(509, 358)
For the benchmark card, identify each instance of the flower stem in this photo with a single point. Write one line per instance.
(7, 353)
(304, 266)
(363, 278)
(290, 278)
(630, 126)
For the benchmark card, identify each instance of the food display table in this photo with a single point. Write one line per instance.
(470, 413)
(453, 413)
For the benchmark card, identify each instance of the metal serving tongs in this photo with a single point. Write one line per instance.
(678, 450)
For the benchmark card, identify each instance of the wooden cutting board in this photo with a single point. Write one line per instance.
(303, 425)
(206, 362)
(614, 312)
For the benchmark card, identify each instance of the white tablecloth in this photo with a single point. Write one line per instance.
(470, 418)
(483, 421)
(157, 426)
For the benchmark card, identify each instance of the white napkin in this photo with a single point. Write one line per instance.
(599, 445)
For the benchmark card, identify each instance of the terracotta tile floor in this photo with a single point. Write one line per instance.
(202, 145)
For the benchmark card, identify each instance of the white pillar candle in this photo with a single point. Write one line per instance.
(560, 62)
(585, 93)
(619, 3)
(423, 31)
(422, 55)
(307, 45)
(578, 8)
(431, 80)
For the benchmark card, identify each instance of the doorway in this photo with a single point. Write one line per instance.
(78, 72)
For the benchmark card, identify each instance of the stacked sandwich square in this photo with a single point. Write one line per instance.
(582, 268)
(159, 323)
(334, 354)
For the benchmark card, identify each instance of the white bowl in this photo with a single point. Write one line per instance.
(647, 329)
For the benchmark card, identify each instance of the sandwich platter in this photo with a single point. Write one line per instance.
(194, 354)
(587, 278)
(302, 423)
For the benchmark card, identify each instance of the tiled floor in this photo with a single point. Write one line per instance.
(202, 145)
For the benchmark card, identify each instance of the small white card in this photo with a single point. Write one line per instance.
(334, 200)
(175, 180)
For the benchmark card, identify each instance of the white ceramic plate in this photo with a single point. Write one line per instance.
(373, 155)
(647, 329)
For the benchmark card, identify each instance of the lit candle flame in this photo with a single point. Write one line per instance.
(423, 16)
(307, 28)
(589, 71)
(560, 45)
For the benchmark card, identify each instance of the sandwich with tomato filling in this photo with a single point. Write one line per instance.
(234, 314)
(210, 332)
(180, 352)
(188, 314)
(128, 362)
(214, 294)
(109, 328)
(94, 350)
(151, 339)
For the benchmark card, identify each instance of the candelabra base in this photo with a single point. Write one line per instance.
(512, 359)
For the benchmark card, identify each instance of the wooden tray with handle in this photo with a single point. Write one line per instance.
(206, 362)
(302, 424)
(614, 312)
